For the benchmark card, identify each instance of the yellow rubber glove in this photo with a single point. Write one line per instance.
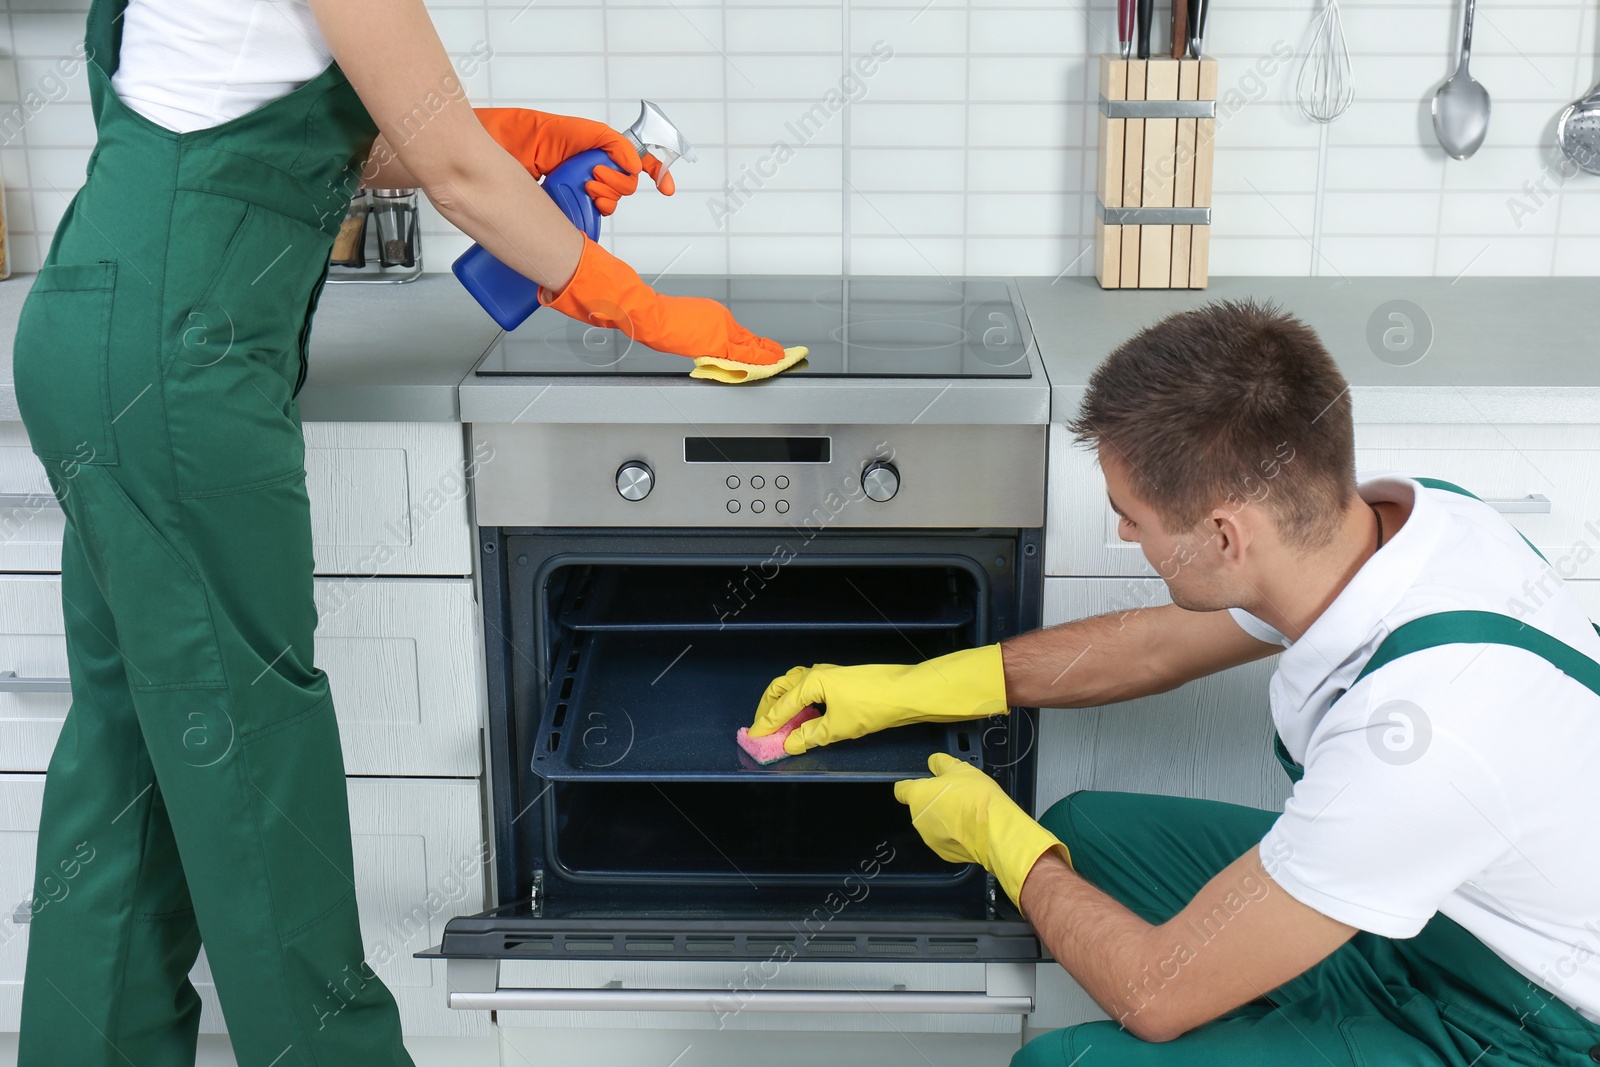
(966, 817)
(860, 700)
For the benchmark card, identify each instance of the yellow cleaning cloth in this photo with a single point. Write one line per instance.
(732, 372)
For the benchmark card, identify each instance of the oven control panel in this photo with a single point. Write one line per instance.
(557, 474)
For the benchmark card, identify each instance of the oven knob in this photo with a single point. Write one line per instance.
(635, 480)
(880, 481)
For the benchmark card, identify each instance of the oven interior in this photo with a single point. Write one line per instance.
(621, 664)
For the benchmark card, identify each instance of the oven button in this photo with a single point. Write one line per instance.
(758, 482)
(635, 480)
(781, 482)
(733, 481)
(733, 505)
(880, 481)
(782, 506)
(757, 506)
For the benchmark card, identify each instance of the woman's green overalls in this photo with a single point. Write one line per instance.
(197, 792)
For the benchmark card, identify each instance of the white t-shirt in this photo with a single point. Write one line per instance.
(1463, 779)
(192, 64)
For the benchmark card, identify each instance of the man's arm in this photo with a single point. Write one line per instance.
(1123, 655)
(1240, 937)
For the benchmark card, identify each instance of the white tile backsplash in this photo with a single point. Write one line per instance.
(972, 148)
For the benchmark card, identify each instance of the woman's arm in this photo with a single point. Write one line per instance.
(393, 57)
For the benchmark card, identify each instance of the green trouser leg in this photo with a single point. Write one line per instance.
(1440, 999)
(109, 880)
(243, 781)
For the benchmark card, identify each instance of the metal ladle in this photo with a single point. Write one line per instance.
(1461, 106)
(1578, 131)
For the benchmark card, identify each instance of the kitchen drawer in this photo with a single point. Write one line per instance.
(418, 861)
(386, 498)
(30, 520)
(1504, 464)
(1210, 738)
(31, 645)
(401, 655)
(20, 797)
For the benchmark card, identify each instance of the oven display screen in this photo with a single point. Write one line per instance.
(757, 449)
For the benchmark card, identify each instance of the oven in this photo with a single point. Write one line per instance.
(645, 573)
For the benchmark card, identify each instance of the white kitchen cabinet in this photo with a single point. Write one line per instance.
(418, 862)
(401, 655)
(1503, 464)
(386, 498)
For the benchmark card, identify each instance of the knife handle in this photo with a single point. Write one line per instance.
(1147, 14)
(1125, 26)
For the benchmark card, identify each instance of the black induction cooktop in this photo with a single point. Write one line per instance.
(855, 327)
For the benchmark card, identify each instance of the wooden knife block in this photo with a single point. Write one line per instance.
(1152, 226)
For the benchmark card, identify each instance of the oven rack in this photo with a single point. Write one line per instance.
(663, 706)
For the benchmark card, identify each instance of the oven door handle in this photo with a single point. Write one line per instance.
(728, 1001)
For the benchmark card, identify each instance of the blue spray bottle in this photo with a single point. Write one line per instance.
(510, 298)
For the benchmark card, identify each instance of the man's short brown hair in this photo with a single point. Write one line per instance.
(1232, 402)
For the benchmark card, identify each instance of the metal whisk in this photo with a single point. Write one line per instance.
(1325, 88)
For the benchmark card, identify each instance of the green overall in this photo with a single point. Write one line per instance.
(197, 793)
(1440, 999)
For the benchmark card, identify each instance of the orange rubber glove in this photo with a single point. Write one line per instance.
(541, 142)
(604, 291)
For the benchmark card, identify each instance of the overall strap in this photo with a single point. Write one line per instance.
(1451, 487)
(102, 39)
(1465, 628)
(1484, 628)
(1471, 628)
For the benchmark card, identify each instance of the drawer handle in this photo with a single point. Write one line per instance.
(11, 683)
(23, 915)
(725, 1000)
(34, 501)
(1532, 504)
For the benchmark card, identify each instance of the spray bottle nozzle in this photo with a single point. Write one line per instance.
(653, 132)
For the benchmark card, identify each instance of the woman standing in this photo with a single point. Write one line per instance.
(197, 792)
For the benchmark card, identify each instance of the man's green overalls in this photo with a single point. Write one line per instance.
(197, 792)
(1440, 999)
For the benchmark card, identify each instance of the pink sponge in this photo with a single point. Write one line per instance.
(769, 749)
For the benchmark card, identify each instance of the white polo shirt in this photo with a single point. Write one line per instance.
(1464, 779)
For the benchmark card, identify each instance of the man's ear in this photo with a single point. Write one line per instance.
(1231, 533)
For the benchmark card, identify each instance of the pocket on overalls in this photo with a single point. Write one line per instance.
(233, 366)
(61, 362)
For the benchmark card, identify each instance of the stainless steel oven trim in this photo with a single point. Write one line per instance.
(1009, 989)
(760, 1000)
(950, 477)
